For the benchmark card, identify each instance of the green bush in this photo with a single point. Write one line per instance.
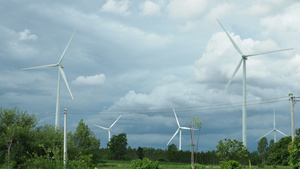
(230, 165)
(196, 166)
(144, 164)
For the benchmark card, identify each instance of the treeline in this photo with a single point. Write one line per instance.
(171, 154)
(23, 145)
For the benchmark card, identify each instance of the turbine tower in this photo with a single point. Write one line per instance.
(108, 129)
(61, 73)
(179, 129)
(273, 130)
(244, 57)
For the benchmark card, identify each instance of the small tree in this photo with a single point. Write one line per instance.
(14, 124)
(140, 153)
(262, 148)
(117, 146)
(294, 151)
(231, 150)
(84, 141)
(194, 125)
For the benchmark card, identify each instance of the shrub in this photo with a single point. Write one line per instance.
(230, 165)
(144, 164)
(196, 166)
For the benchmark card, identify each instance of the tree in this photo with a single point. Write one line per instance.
(262, 148)
(172, 153)
(294, 151)
(85, 142)
(279, 152)
(140, 153)
(14, 126)
(232, 150)
(117, 146)
(194, 124)
(297, 132)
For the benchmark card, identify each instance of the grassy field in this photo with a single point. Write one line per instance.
(165, 165)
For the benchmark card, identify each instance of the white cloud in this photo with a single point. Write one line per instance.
(26, 35)
(90, 80)
(169, 95)
(263, 7)
(220, 11)
(285, 25)
(119, 7)
(150, 8)
(188, 9)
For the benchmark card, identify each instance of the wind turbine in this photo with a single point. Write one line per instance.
(108, 129)
(244, 57)
(179, 129)
(60, 73)
(273, 130)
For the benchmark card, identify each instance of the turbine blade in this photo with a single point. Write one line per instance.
(63, 54)
(232, 41)
(176, 118)
(185, 128)
(65, 79)
(115, 122)
(235, 71)
(101, 127)
(274, 119)
(173, 136)
(262, 53)
(41, 67)
(265, 135)
(281, 132)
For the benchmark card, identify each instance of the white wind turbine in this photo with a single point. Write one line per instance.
(244, 57)
(273, 130)
(108, 129)
(179, 129)
(60, 73)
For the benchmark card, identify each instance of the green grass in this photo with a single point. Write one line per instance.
(169, 165)
(166, 165)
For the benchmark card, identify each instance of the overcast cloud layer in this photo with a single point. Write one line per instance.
(141, 59)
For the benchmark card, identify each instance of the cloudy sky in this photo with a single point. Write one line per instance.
(143, 58)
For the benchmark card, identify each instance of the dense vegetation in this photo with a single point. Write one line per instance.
(23, 145)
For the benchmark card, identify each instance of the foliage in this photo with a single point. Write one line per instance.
(140, 153)
(294, 151)
(84, 161)
(255, 158)
(51, 158)
(196, 166)
(262, 148)
(194, 124)
(84, 141)
(16, 128)
(232, 150)
(144, 164)
(117, 146)
(230, 165)
(279, 152)
(297, 132)
(172, 147)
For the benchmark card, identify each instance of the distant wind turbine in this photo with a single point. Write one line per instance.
(108, 129)
(244, 57)
(179, 129)
(60, 73)
(273, 130)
